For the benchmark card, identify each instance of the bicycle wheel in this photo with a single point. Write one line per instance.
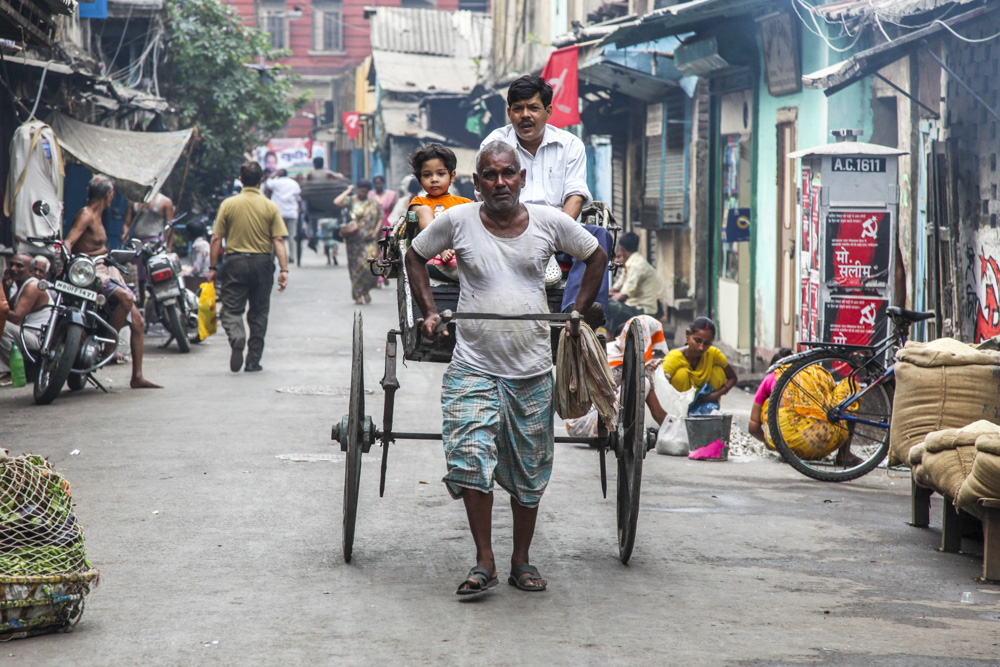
(812, 435)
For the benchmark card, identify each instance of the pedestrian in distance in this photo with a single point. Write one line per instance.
(287, 194)
(360, 234)
(254, 232)
(497, 396)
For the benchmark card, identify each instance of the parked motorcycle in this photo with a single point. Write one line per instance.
(76, 339)
(168, 301)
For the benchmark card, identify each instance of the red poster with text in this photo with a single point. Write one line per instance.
(804, 310)
(814, 226)
(854, 320)
(813, 306)
(857, 248)
(806, 196)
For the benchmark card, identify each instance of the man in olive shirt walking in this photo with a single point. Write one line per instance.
(253, 228)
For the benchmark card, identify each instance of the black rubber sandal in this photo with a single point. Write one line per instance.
(517, 577)
(479, 576)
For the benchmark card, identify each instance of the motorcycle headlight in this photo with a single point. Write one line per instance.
(82, 272)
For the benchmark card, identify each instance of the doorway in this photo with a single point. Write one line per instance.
(784, 299)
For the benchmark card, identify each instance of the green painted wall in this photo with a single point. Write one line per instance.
(817, 116)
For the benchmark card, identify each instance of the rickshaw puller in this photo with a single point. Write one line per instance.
(497, 396)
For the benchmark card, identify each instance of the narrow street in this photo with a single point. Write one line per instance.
(213, 510)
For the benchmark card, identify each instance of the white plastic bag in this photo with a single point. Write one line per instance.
(674, 402)
(672, 438)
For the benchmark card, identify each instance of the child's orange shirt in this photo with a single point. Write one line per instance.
(439, 205)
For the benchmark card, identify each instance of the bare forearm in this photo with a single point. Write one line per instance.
(593, 276)
(573, 205)
(214, 248)
(282, 252)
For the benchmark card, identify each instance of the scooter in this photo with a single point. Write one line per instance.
(167, 299)
(76, 339)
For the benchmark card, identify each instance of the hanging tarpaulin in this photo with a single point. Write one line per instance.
(138, 162)
(561, 73)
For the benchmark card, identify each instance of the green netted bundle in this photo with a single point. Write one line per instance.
(39, 534)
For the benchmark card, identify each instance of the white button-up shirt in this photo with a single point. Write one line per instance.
(286, 193)
(557, 170)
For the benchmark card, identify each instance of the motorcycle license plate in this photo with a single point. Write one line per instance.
(90, 295)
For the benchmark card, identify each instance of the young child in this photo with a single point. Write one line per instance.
(763, 393)
(700, 365)
(434, 166)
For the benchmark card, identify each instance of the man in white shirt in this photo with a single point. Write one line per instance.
(554, 161)
(497, 396)
(287, 194)
(555, 165)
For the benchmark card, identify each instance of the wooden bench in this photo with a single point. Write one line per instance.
(953, 522)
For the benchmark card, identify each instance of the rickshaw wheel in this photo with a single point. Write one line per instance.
(352, 467)
(632, 439)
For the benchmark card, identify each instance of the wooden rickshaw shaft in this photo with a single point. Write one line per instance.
(405, 435)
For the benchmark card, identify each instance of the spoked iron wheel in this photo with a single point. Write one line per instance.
(631, 439)
(355, 417)
(802, 420)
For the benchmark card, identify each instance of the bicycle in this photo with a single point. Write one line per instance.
(847, 393)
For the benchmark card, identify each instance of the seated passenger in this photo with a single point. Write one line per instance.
(656, 349)
(702, 366)
(434, 166)
(764, 391)
(40, 266)
(28, 306)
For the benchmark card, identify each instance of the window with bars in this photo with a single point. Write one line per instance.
(274, 21)
(328, 26)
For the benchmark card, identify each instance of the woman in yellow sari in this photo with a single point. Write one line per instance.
(700, 365)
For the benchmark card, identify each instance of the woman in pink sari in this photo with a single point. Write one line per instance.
(385, 198)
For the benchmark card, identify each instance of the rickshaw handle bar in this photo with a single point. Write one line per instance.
(403, 435)
(448, 315)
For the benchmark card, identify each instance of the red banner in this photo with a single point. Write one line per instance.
(352, 124)
(560, 72)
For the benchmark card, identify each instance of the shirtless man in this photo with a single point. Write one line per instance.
(87, 236)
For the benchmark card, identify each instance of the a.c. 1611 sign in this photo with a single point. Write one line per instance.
(865, 165)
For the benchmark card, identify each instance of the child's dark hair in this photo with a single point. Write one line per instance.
(779, 355)
(702, 324)
(434, 151)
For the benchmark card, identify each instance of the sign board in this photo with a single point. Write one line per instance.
(857, 248)
(854, 320)
(737, 227)
(858, 164)
(780, 39)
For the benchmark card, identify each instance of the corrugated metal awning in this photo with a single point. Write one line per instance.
(685, 17)
(838, 76)
(886, 9)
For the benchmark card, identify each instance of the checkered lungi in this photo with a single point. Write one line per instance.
(497, 429)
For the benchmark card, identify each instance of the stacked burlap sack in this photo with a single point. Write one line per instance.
(943, 384)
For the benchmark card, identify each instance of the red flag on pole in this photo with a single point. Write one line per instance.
(352, 123)
(561, 74)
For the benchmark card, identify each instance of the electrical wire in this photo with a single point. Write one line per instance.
(818, 30)
(41, 86)
(970, 40)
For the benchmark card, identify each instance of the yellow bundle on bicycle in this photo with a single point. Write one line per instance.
(207, 318)
(803, 424)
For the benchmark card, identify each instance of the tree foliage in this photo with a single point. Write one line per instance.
(213, 80)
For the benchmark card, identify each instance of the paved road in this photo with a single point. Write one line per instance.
(205, 533)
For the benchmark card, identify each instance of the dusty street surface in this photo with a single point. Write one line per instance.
(214, 549)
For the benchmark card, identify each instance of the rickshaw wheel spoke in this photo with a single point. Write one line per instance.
(632, 446)
(355, 420)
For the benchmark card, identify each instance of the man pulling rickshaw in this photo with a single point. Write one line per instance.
(497, 395)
